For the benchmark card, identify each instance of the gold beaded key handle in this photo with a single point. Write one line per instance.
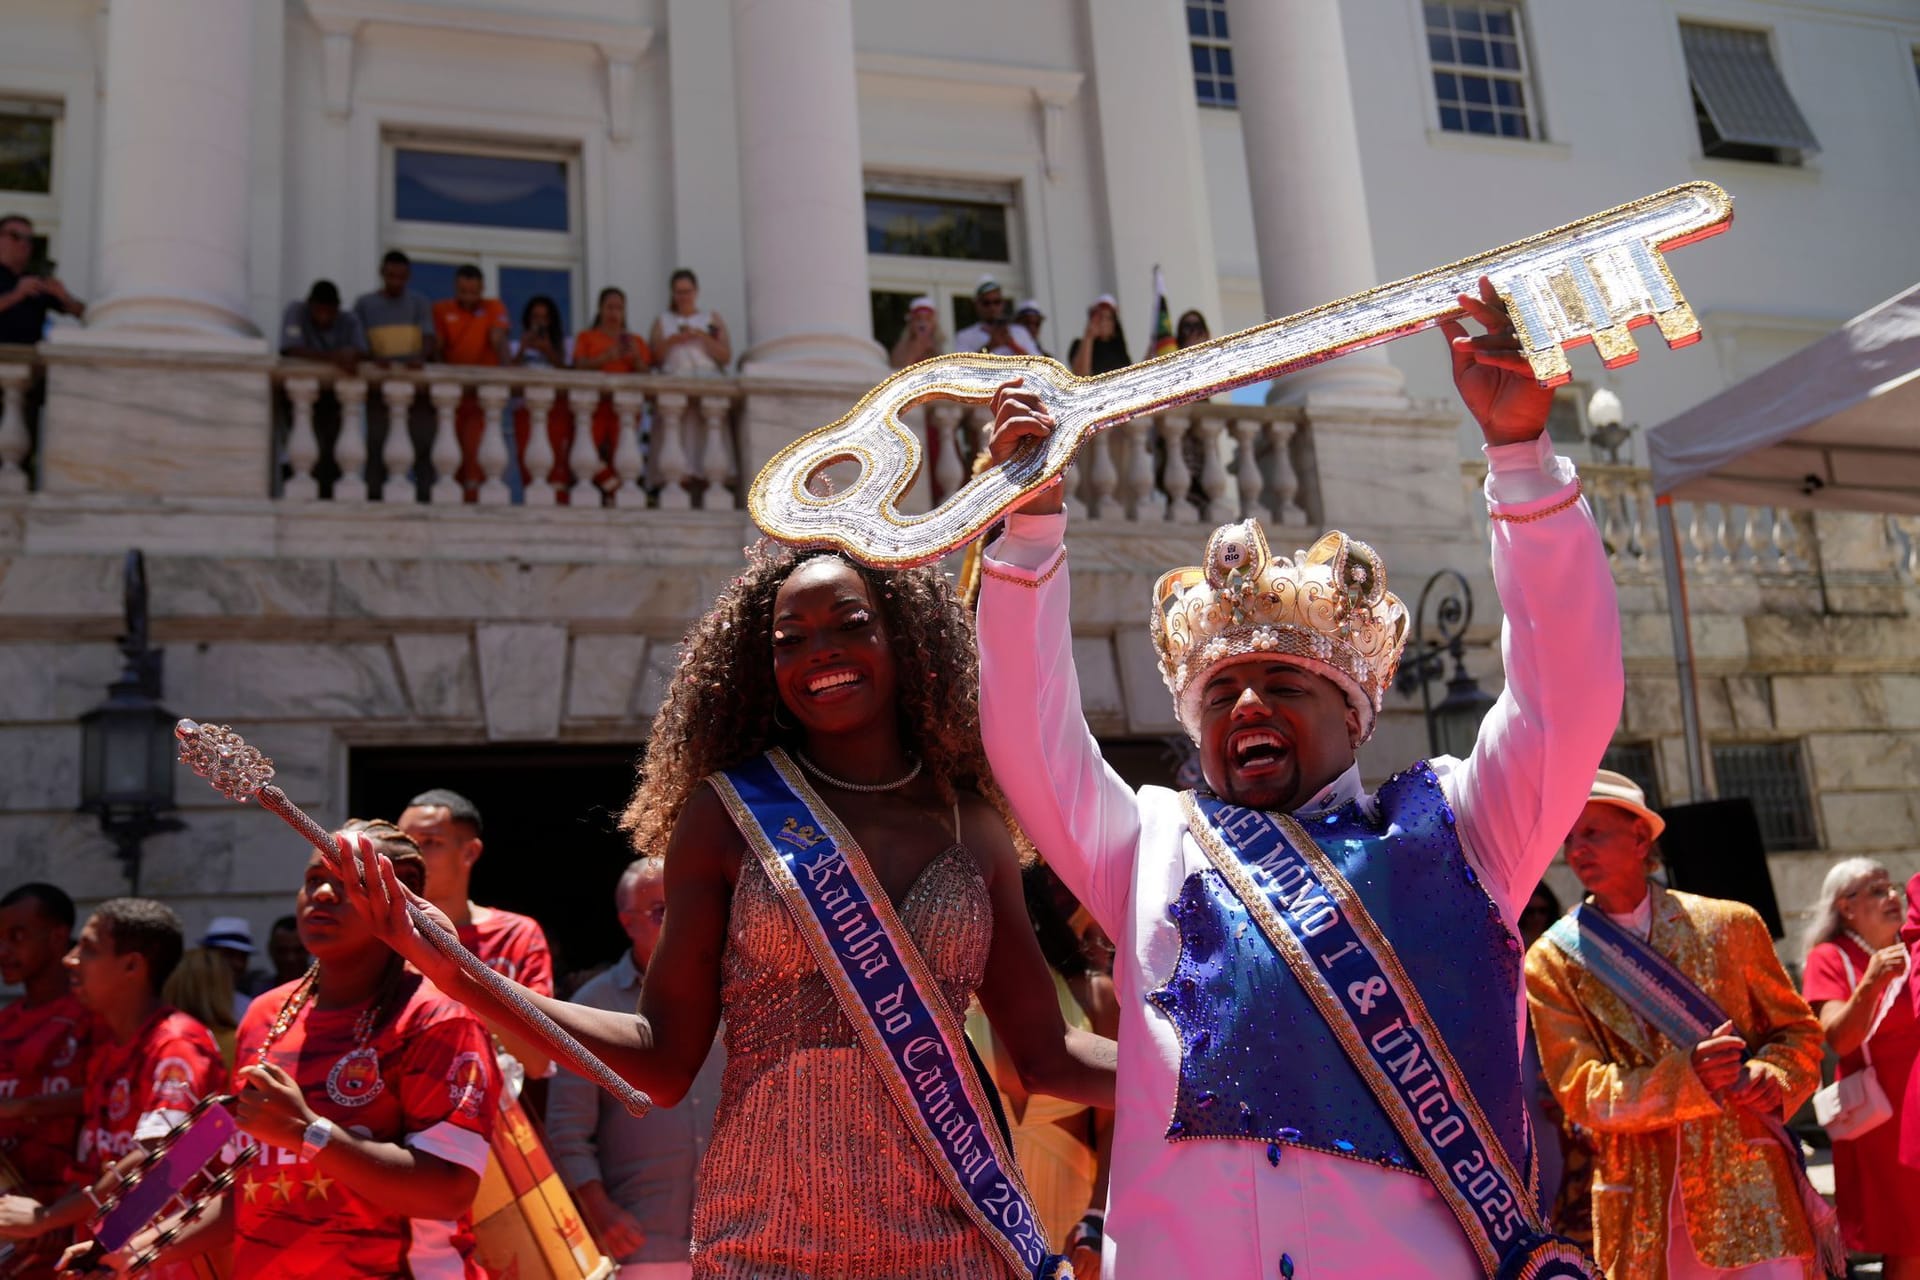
(241, 773)
(1589, 281)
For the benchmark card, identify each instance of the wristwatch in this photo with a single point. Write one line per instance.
(318, 1135)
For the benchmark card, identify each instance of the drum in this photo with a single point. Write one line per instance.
(525, 1223)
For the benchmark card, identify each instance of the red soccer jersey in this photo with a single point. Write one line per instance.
(43, 1049)
(512, 943)
(139, 1090)
(426, 1080)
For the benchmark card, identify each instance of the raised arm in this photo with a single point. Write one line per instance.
(1517, 794)
(1082, 817)
(660, 1049)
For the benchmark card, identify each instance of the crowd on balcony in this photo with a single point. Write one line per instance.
(397, 325)
(1011, 329)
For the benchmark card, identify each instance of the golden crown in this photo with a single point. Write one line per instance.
(1327, 609)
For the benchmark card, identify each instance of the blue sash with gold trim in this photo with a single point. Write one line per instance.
(888, 993)
(1312, 918)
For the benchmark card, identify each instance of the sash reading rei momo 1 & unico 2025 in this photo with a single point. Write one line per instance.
(1318, 926)
(889, 994)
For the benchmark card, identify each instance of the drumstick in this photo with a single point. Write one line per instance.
(241, 773)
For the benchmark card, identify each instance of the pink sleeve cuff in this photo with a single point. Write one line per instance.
(1526, 476)
(1030, 546)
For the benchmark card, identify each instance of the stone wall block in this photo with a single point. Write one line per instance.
(1866, 821)
(604, 676)
(61, 586)
(39, 768)
(303, 760)
(55, 681)
(1901, 695)
(204, 587)
(656, 677)
(231, 850)
(167, 431)
(1149, 705)
(223, 682)
(1651, 706)
(1750, 699)
(1864, 761)
(1802, 703)
(522, 677)
(63, 848)
(1833, 643)
(441, 679)
(454, 589)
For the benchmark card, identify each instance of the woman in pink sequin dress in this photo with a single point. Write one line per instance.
(869, 681)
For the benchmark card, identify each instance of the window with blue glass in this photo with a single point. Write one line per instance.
(472, 190)
(1480, 75)
(1212, 54)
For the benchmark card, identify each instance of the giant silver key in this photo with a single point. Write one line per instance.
(1589, 281)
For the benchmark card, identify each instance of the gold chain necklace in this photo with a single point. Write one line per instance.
(844, 785)
(297, 1004)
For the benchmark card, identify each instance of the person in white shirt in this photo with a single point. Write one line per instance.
(1247, 1143)
(993, 332)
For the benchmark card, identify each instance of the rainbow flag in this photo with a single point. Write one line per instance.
(1162, 340)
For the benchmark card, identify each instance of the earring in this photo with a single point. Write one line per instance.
(784, 725)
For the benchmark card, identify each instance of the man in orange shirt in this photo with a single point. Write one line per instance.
(471, 330)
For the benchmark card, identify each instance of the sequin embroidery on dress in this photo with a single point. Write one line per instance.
(811, 1171)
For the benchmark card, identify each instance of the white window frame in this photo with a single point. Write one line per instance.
(42, 207)
(1213, 42)
(1531, 106)
(944, 279)
(489, 248)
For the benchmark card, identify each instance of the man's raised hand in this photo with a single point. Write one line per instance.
(1492, 374)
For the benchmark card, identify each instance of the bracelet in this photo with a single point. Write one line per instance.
(1032, 584)
(1570, 500)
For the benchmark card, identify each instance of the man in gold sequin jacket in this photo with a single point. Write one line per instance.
(1686, 1183)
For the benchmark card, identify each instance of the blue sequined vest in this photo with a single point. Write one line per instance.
(1257, 1061)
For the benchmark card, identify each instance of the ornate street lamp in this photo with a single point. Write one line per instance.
(1452, 725)
(126, 743)
(1608, 423)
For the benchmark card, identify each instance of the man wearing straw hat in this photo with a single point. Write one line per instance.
(1670, 1032)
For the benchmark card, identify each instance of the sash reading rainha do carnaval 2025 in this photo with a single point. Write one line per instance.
(1318, 926)
(889, 994)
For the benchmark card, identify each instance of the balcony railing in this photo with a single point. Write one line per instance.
(444, 436)
(19, 376)
(1719, 541)
(1202, 464)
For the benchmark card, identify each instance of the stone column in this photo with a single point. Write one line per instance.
(801, 198)
(1303, 166)
(174, 173)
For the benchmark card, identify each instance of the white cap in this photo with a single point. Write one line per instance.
(1108, 300)
(1030, 304)
(921, 303)
(986, 283)
(229, 933)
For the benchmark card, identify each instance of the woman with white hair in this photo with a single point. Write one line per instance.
(1855, 974)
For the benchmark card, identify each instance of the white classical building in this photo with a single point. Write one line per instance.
(195, 165)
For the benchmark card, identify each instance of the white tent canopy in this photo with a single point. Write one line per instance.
(1834, 427)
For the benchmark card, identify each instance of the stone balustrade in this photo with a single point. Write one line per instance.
(1201, 464)
(18, 370)
(663, 442)
(1720, 542)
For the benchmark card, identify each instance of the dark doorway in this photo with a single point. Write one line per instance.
(553, 847)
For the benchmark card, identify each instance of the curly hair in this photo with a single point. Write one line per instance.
(720, 708)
